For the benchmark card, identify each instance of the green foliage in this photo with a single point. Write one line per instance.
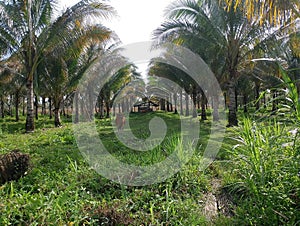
(265, 173)
(292, 94)
(261, 174)
(61, 188)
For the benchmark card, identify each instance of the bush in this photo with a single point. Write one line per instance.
(266, 164)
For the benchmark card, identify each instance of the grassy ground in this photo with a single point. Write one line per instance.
(62, 189)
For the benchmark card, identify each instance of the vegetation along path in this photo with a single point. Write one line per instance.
(62, 69)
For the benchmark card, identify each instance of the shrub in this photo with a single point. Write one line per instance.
(266, 162)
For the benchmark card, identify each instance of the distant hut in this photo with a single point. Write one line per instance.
(147, 106)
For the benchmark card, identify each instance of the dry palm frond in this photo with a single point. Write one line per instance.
(13, 166)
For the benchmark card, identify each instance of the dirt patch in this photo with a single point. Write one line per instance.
(217, 202)
(111, 216)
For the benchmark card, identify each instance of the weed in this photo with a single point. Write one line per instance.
(265, 167)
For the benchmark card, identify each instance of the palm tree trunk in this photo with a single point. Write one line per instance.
(76, 119)
(274, 103)
(232, 116)
(114, 110)
(171, 106)
(215, 105)
(96, 110)
(2, 108)
(57, 120)
(175, 102)
(90, 104)
(225, 101)
(44, 106)
(82, 110)
(63, 108)
(194, 97)
(101, 106)
(17, 105)
(181, 103)
(123, 106)
(162, 104)
(29, 126)
(50, 108)
(245, 100)
(187, 111)
(203, 106)
(23, 107)
(236, 99)
(127, 105)
(170, 102)
(107, 109)
(36, 107)
(10, 110)
(168, 106)
(257, 86)
(131, 104)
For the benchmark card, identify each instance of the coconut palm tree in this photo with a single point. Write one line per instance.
(178, 76)
(116, 84)
(225, 39)
(61, 68)
(11, 76)
(29, 31)
(3, 98)
(274, 11)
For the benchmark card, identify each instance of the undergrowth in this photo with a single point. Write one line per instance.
(62, 189)
(258, 166)
(264, 176)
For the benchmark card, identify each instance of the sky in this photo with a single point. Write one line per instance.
(136, 18)
(136, 21)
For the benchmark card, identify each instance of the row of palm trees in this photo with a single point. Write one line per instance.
(229, 42)
(48, 54)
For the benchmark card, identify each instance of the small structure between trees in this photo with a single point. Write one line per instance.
(145, 106)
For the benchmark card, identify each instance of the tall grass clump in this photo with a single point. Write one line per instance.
(265, 176)
(291, 95)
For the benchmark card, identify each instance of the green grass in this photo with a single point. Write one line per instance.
(62, 189)
(264, 177)
(140, 129)
(258, 166)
